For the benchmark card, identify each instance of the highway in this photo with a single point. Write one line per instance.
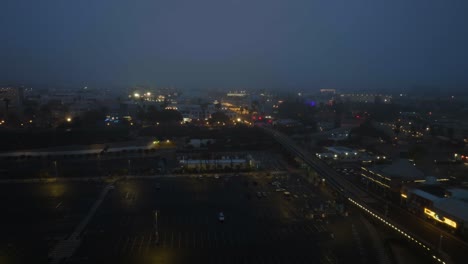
(453, 248)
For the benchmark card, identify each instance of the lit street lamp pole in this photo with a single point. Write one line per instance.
(55, 167)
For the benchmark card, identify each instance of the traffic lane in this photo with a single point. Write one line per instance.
(195, 220)
(36, 215)
(345, 243)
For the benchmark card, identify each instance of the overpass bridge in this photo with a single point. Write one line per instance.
(365, 202)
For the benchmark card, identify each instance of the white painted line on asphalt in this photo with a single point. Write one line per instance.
(172, 239)
(58, 205)
(116, 247)
(133, 244)
(195, 244)
(201, 239)
(64, 249)
(141, 244)
(148, 244)
(125, 246)
(179, 238)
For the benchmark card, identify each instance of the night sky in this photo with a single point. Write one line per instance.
(344, 44)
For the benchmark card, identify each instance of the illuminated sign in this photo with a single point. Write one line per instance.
(440, 218)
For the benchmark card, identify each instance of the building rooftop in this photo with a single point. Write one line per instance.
(400, 168)
(340, 150)
(453, 207)
(426, 195)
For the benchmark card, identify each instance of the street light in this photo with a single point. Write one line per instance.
(56, 171)
(69, 119)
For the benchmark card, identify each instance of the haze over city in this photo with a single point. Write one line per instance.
(234, 131)
(230, 44)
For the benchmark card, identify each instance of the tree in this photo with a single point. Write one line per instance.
(450, 132)
(219, 117)
(6, 101)
(93, 117)
(169, 116)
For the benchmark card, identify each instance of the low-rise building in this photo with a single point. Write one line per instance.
(392, 177)
(444, 205)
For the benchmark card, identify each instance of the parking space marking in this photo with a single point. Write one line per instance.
(141, 244)
(172, 239)
(125, 246)
(133, 244)
(179, 238)
(148, 244)
(164, 244)
(193, 239)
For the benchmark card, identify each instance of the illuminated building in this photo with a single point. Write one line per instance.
(445, 206)
(393, 176)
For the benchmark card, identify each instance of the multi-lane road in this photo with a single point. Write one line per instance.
(453, 248)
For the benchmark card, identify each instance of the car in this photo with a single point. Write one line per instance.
(280, 190)
(221, 217)
(216, 176)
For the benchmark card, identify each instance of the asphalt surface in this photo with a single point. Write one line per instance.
(36, 217)
(255, 230)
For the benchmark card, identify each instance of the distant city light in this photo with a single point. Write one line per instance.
(137, 95)
(69, 119)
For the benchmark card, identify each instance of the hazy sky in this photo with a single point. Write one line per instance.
(235, 43)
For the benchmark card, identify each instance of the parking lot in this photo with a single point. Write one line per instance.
(97, 222)
(265, 229)
(37, 215)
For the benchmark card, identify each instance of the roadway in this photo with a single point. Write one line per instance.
(452, 246)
